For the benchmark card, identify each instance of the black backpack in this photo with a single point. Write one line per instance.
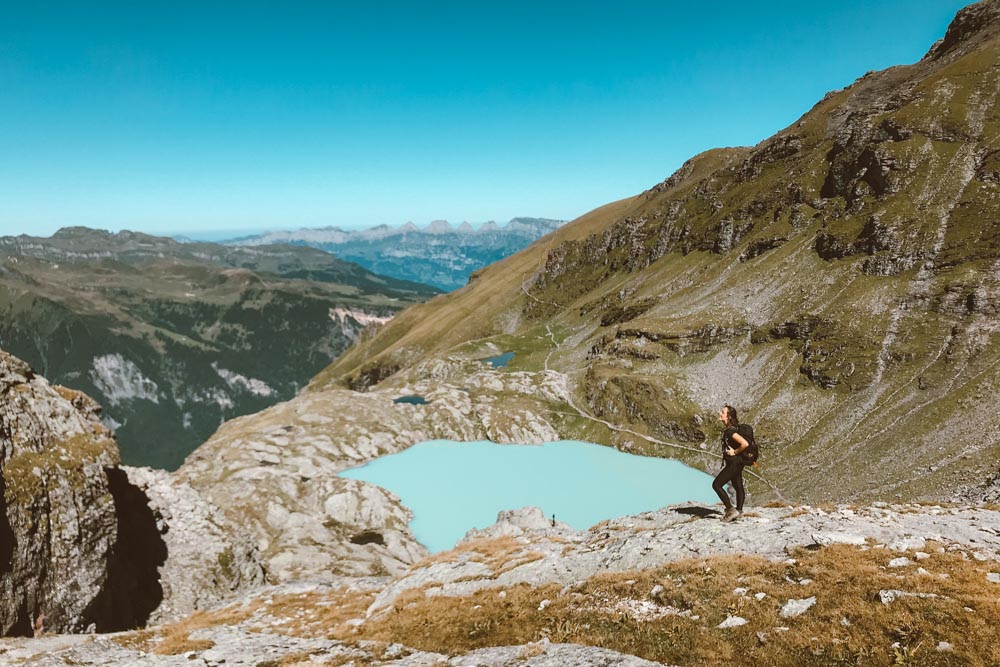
(751, 454)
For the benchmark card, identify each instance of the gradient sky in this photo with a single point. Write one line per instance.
(183, 116)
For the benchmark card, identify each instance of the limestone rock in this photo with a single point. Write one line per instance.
(208, 557)
(793, 608)
(58, 527)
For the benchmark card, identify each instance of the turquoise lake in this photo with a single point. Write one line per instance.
(455, 486)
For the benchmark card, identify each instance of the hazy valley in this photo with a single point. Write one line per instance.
(440, 254)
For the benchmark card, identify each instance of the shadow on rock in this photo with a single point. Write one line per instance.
(6, 533)
(700, 512)
(132, 591)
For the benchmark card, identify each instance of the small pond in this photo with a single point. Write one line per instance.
(411, 400)
(500, 360)
(455, 486)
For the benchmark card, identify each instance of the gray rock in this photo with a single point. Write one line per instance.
(794, 607)
(888, 596)
(826, 539)
(58, 522)
(732, 622)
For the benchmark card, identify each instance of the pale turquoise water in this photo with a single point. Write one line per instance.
(454, 486)
(500, 360)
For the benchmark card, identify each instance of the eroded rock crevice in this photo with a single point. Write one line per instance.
(132, 590)
(6, 532)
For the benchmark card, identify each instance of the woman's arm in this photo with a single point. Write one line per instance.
(742, 443)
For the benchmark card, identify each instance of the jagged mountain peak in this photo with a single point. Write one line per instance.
(972, 24)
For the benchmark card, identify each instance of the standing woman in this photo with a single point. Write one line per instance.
(733, 445)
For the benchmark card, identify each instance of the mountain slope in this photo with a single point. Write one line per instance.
(438, 255)
(837, 282)
(174, 338)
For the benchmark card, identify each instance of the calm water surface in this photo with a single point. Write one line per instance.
(500, 360)
(454, 486)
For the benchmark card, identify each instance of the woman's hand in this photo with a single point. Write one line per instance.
(730, 451)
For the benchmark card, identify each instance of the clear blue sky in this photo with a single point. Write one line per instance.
(176, 116)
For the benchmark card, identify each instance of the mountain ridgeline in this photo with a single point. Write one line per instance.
(174, 338)
(839, 282)
(438, 255)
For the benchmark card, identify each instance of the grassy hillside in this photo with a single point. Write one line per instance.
(838, 282)
(174, 338)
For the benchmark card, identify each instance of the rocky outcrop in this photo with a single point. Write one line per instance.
(247, 647)
(542, 554)
(76, 551)
(204, 559)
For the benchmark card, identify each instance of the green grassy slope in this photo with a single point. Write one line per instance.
(839, 282)
(174, 338)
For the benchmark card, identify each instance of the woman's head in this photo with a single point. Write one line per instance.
(727, 415)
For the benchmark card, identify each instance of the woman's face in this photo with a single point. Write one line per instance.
(724, 416)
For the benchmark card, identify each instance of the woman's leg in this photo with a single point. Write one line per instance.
(737, 482)
(723, 478)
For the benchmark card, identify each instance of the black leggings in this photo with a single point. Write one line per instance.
(732, 473)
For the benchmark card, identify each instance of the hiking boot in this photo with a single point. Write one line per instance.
(731, 514)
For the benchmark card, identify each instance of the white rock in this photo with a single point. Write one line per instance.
(795, 607)
(888, 596)
(732, 622)
(760, 596)
(907, 543)
(944, 646)
(826, 539)
(543, 604)
(993, 577)
(740, 591)
(920, 555)
(900, 562)
(657, 591)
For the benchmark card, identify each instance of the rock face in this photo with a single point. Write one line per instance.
(206, 559)
(73, 552)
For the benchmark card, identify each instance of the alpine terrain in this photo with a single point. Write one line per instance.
(838, 283)
(174, 338)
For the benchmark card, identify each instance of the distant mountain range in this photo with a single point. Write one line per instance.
(440, 254)
(173, 338)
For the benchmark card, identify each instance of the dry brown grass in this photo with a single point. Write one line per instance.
(846, 581)
(314, 614)
(174, 638)
(796, 512)
(500, 554)
(136, 641)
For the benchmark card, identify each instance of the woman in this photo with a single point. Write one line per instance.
(733, 444)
